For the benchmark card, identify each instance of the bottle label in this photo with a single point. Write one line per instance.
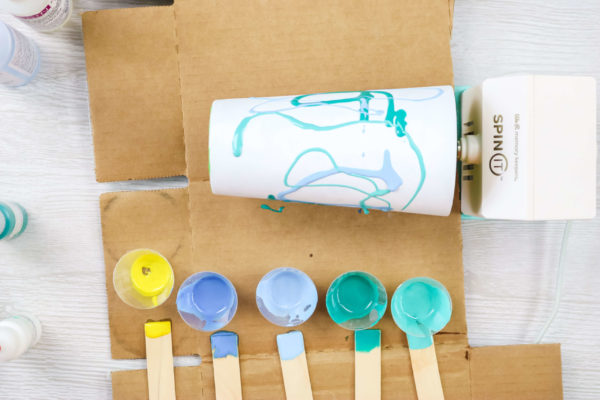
(23, 62)
(51, 17)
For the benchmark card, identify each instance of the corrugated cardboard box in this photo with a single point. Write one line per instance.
(153, 74)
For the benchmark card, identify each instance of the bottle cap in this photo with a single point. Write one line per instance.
(17, 334)
(151, 274)
(143, 278)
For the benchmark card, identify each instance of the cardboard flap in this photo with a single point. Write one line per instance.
(331, 373)
(525, 372)
(135, 102)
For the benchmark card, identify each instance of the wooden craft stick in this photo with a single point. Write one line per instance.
(294, 367)
(426, 374)
(159, 358)
(367, 364)
(226, 365)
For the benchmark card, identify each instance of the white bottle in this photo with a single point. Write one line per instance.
(19, 57)
(18, 333)
(42, 15)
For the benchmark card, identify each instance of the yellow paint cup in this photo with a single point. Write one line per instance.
(143, 278)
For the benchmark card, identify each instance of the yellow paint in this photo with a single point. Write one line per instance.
(157, 329)
(151, 275)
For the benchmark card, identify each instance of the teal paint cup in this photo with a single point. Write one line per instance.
(356, 300)
(421, 307)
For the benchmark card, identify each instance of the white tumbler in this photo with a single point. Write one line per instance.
(390, 150)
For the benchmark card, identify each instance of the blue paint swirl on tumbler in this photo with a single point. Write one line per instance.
(207, 301)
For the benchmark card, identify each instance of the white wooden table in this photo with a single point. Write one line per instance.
(56, 269)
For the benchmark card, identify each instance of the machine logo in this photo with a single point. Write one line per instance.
(498, 161)
(498, 164)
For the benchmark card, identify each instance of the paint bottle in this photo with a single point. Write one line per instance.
(143, 279)
(286, 296)
(18, 334)
(19, 57)
(356, 300)
(207, 301)
(42, 15)
(388, 150)
(13, 220)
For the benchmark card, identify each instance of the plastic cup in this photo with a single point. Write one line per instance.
(207, 301)
(143, 279)
(356, 300)
(421, 307)
(286, 296)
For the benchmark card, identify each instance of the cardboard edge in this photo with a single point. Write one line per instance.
(451, 4)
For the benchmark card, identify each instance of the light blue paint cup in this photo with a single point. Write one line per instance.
(207, 301)
(286, 296)
(421, 307)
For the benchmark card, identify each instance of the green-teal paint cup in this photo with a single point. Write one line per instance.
(421, 307)
(356, 300)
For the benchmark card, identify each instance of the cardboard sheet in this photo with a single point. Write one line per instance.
(154, 72)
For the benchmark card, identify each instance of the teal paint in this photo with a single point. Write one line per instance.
(367, 340)
(267, 207)
(290, 345)
(421, 307)
(393, 118)
(356, 300)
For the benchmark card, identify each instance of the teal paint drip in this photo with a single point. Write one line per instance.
(367, 340)
(269, 208)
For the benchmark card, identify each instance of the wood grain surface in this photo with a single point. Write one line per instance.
(56, 269)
